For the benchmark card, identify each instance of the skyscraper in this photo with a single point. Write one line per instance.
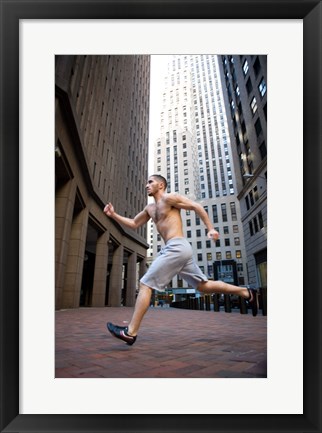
(245, 93)
(194, 153)
(101, 143)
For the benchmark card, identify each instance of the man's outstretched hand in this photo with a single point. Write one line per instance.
(213, 234)
(109, 209)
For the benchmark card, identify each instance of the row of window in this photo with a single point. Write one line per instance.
(219, 256)
(252, 197)
(256, 224)
(224, 215)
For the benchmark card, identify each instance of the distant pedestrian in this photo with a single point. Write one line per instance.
(176, 257)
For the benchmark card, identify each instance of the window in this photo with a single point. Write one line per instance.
(228, 255)
(189, 234)
(237, 241)
(256, 193)
(245, 67)
(263, 150)
(199, 257)
(253, 105)
(227, 242)
(251, 230)
(262, 87)
(226, 230)
(255, 225)
(214, 213)
(198, 233)
(235, 229)
(224, 212)
(247, 202)
(257, 66)
(233, 211)
(238, 254)
(258, 127)
(208, 244)
(218, 256)
(251, 196)
(249, 86)
(209, 257)
(260, 219)
(188, 222)
(199, 245)
(175, 136)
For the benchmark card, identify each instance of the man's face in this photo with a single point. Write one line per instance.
(152, 186)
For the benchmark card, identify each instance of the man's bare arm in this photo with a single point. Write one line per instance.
(133, 223)
(181, 202)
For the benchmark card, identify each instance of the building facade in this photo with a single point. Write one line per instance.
(244, 79)
(194, 154)
(101, 155)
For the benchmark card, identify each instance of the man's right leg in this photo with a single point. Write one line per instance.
(128, 333)
(141, 307)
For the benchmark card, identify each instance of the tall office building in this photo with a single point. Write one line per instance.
(244, 78)
(101, 140)
(194, 154)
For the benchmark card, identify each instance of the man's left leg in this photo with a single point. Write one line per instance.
(250, 295)
(212, 286)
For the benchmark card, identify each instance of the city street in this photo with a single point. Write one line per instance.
(172, 343)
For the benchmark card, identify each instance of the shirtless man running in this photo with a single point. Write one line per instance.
(176, 257)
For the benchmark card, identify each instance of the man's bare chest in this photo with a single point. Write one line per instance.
(160, 212)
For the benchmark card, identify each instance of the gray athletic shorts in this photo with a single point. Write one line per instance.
(175, 258)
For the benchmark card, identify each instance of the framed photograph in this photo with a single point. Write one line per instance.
(27, 143)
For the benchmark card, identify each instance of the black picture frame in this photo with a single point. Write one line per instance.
(11, 12)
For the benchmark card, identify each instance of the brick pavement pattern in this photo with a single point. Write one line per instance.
(172, 343)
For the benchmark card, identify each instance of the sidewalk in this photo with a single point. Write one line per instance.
(172, 343)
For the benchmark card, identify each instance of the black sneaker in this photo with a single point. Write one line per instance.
(121, 333)
(252, 301)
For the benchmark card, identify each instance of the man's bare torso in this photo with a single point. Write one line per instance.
(167, 219)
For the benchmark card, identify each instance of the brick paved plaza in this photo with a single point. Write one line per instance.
(172, 343)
